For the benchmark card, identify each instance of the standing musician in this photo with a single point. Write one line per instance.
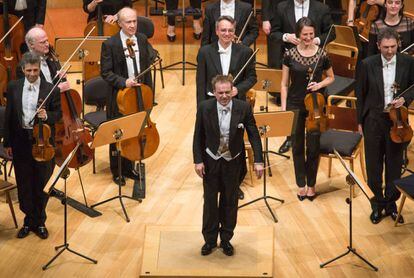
(296, 65)
(283, 30)
(224, 57)
(109, 8)
(118, 70)
(31, 176)
(33, 11)
(236, 9)
(217, 148)
(374, 93)
(268, 20)
(38, 43)
(172, 5)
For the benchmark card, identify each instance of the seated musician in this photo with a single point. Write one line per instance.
(109, 9)
(38, 43)
(296, 64)
(229, 7)
(354, 11)
(287, 14)
(375, 93)
(218, 160)
(31, 175)
(172, 5)
(118, 70)
(395, 19)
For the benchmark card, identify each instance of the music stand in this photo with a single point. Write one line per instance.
(183, 13)
(115, 131)
(90, 51)
(63, 172)
(269, 126)
(352, 179)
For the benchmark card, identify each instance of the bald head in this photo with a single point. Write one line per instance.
(127, 20)
(37, 41)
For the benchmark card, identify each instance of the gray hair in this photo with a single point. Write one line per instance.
(226, 17)
(30, 58)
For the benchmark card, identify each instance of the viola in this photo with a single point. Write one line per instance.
(368, 14)
(42, 149)
(315, 104)
(401, 131)
(133, 100)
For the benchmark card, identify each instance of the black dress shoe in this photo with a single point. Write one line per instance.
(394, 215)
(42, 232)
(119, 180)
(131, 175)
(375, 216)
(23, 232)
(197, 36)
(285, 146)
(227, 248)
(208, 248)
(240, 193)
(171, 38)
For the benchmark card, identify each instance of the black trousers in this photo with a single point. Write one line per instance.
(220, 212)
(274, 53)
(173, 5)
(306, 169)
(31, 178)
(380, 150)
(112, 112)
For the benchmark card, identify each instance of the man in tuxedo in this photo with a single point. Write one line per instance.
(283, 30)
(117, 69)
(236, 9)
(375, 94)
(33, 11)
(217, 147)
(23, 96)
(273, 46)
(224, 57)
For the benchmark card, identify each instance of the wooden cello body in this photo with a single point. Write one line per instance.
(368, 14)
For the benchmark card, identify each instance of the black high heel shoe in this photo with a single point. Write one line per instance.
(171, 38)
(311, 198)
(300, 197)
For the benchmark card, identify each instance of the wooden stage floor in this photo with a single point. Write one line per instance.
(308, 233)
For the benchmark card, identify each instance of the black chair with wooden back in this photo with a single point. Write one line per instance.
(406, 187)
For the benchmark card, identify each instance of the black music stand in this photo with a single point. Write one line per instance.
(182, 12)
(64, 173)
(269, 126)
(115, 131)
(352, 179)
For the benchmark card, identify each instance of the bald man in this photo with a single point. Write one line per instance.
(117, 69)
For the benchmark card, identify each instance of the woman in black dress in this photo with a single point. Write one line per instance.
(395, 19)
(109, 8)
(296, 64)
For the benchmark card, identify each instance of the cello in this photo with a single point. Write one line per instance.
(368, 14)
(137, 99)
(401, 131)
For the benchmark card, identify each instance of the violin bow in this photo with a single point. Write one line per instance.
(74, 52)
(245, 65)
(244, 27)
(407, 48)
(49, 94)
(11, 29)
(400, 95)
(157, 61)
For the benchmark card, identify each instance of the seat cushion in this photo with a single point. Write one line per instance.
(406, 184)
(342, 86)
(344, 142)
(95, 118)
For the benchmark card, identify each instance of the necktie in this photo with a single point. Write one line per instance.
(223, 140)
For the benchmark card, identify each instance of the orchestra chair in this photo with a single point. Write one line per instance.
(6, 187)
(146, 27)
(406, 187)
(95, 93)
(4, 157)
(251, 99)
(342, 134)
(343, 54)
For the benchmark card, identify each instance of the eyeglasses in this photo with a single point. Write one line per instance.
(230, 30)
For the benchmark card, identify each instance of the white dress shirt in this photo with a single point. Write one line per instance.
(20, 5)
(44, 68)
(227, 8)
(129, 60)
(301, 9)
(225, 58)
(30, 98)
(388, 73)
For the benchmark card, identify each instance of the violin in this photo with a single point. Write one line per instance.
(401, 131)
(368, 14)
(42, 149)
(133, 100)
(315, 104)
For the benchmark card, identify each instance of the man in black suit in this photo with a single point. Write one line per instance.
(375, 94)
(236, 9)
(217, 148)
(117, 69)
(273, 46)
(224, 57)
(23, 96)
(283, 30)
(33, 11)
